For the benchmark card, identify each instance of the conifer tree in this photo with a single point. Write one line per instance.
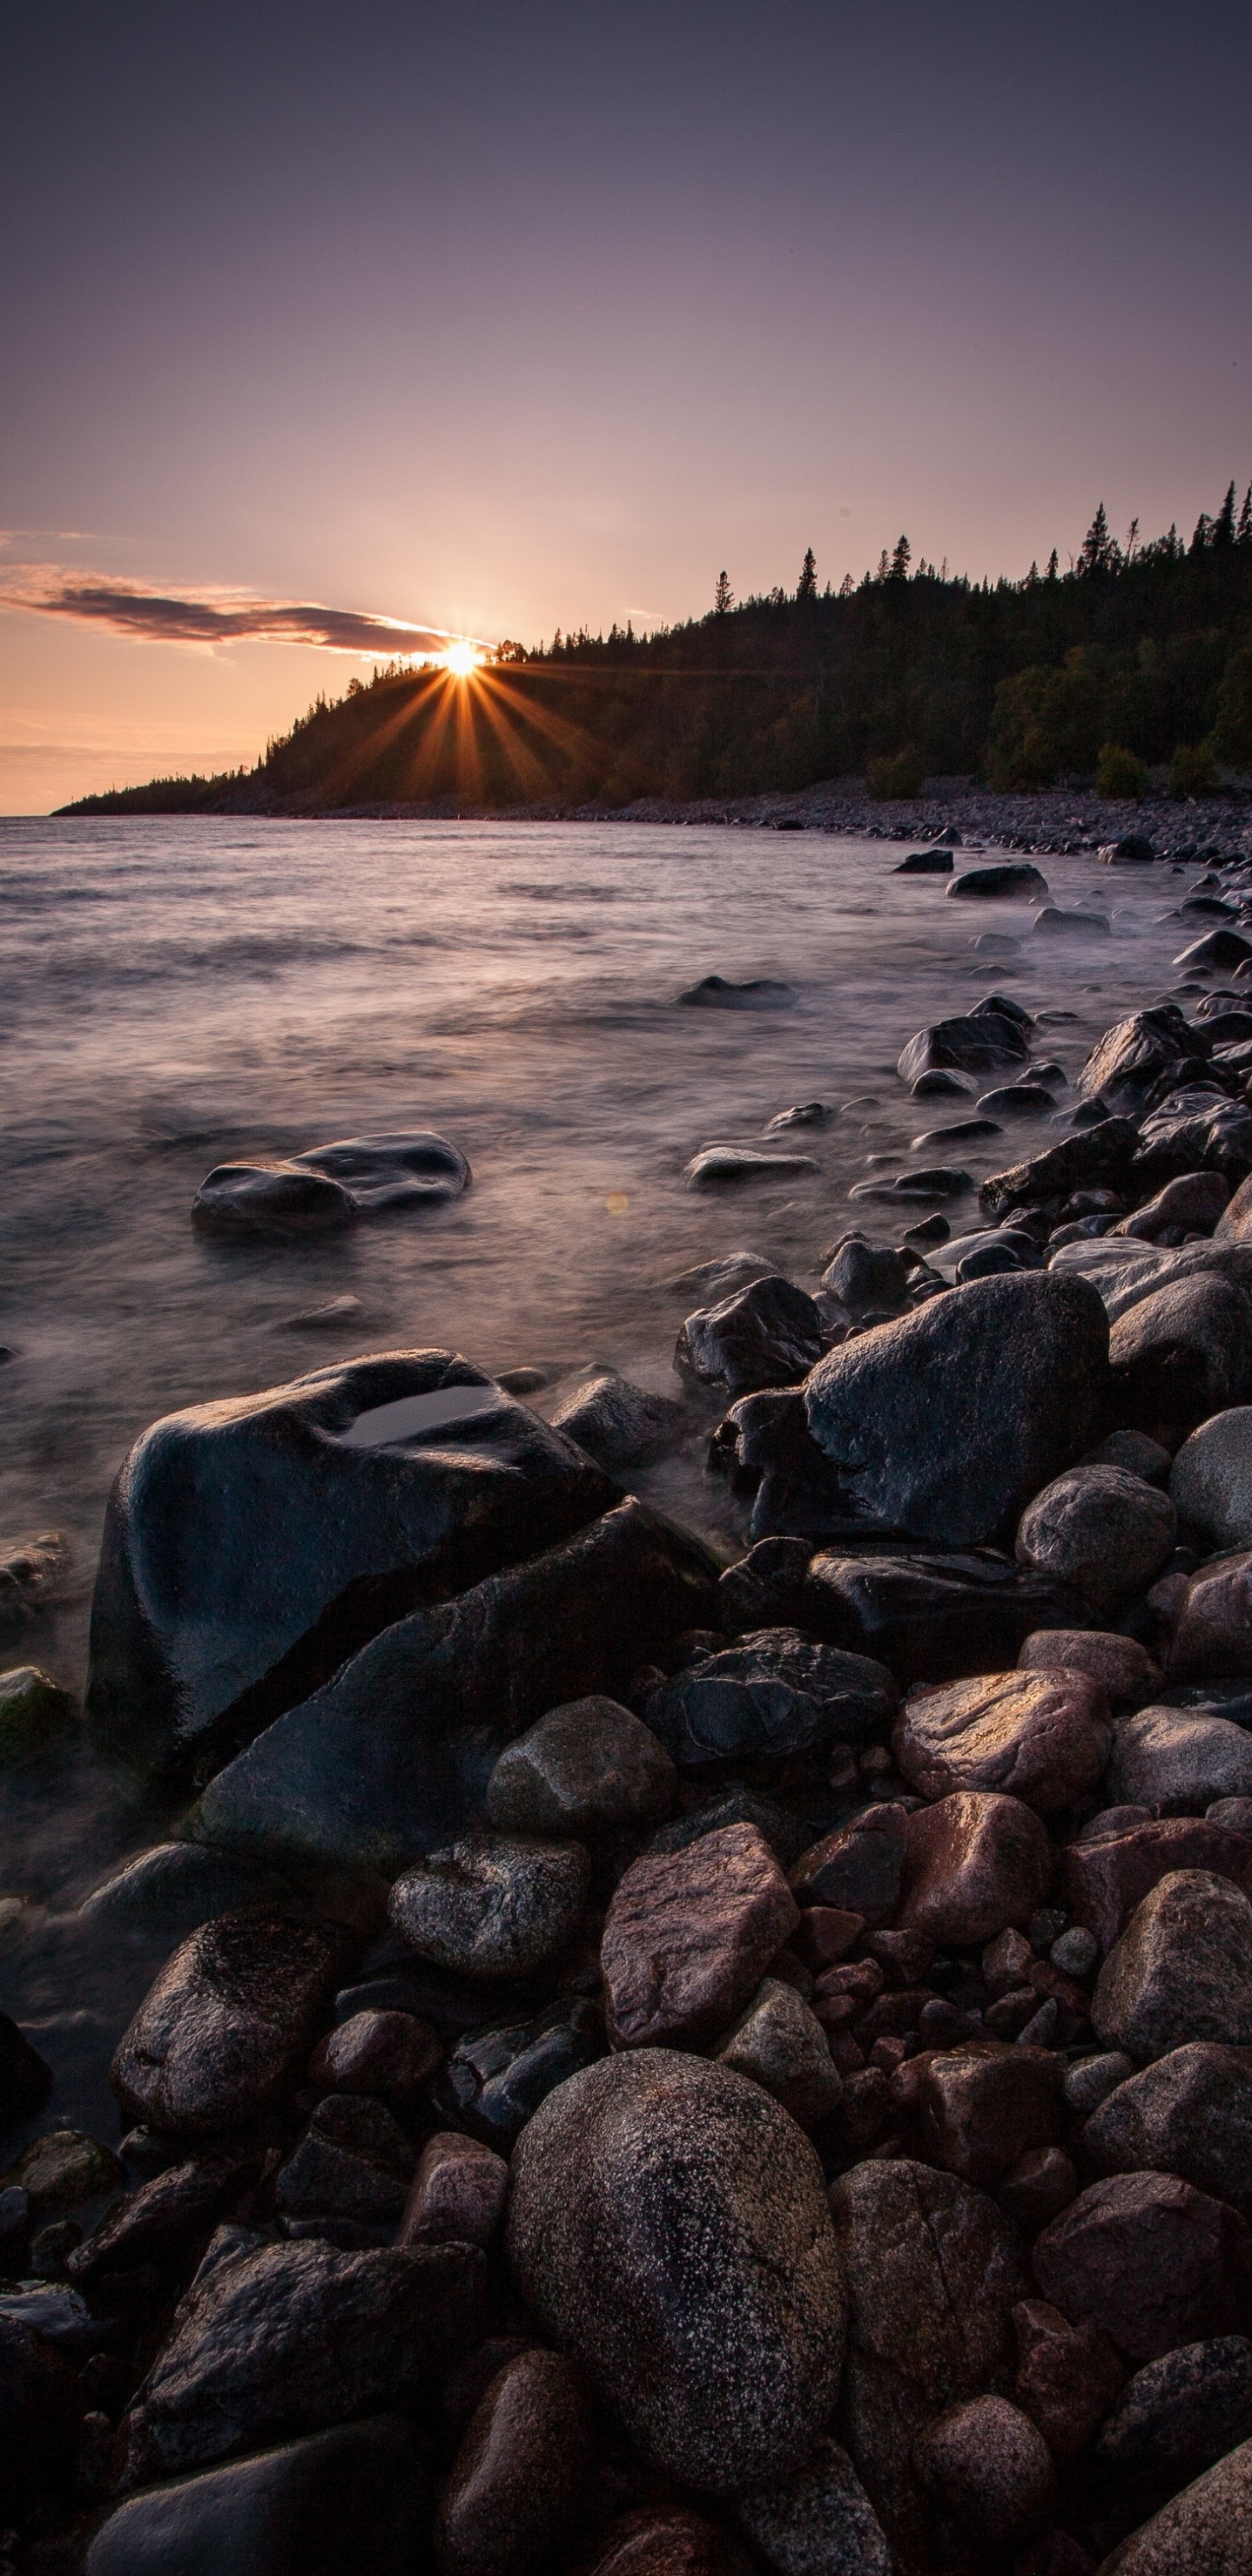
(1099, 549)
(901, 559)
(1053, 566)
(808, 576)
(1223, 528)
(723, 596)
(1243, 534)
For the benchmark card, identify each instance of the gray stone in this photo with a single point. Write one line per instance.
(1091, 2080)
(615, 1422)
(782, 2046)
(1190, 2113)
(775, 1692)
(817, 2522)
(1176, 1759)
(582, 1770)
(350, 2502)
(669, 2229)
(1202, 2532)
(1181, 1971)
(1183, 2411)
(987, 2463)
(1211, 1479)
(177, 1886)
(492, 1906)
(767, 1333)
(1180, 1355)
(1106, 1532)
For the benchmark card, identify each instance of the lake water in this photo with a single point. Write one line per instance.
(179, 992)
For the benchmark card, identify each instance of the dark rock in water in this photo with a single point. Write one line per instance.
(946, 1423)
(277, 2339)
(817, 2522)
(25, 2081)
(963, 1131)
(177, 1886)
(492, 1906)
(976, 1044)
(1195, 1129)
(1131, 848)
(810, 1113)
(1056, 923)
(1103, 1531)
(932, 2271)
(351, 2502)
(1153, 2262)
(925, 863)
(583, 1769)
(714, 993)
(227, 2027)
(395, 1754)
(1183, 2411)
(1103, 1153)
(330, 1187)
(939, 1085)
(354, 2161)
(498, 2078)
(1179, 1356)
(862, 1274)
(688, 1937)
(521, 2473)
(1189, 2113)
(936, 1182)
(767, 1334)
(1131, 1057)
(622, 2185)
(1220, 948)
(1017, 1100)
(1012, 879)
(716, 1164)
(775, 1692)
(615, 1422)
(250, 1547)
(41, 2413)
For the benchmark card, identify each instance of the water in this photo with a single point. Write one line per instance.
(179, 992)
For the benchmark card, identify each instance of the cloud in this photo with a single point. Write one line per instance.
(208, 617)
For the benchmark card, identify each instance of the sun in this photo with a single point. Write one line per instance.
(461, 659)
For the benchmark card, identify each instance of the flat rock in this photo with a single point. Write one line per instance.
(1174, 1758)
(1103, 1531)
(1190, 2113)
(622, 2183)
(1181, 1971)
(1178, 1356)
(767, 1333)
(581, 1770)
(689, 1935)
(1211, 1478)
(1043, 1738)
(782, 2046)
(760, 993)
(225, 2031)
(615, 1422)
(819, 2521)
(1153, 2262)
(329, 1187)
(775, 1692)
(493, 1905)
(343, 2503)
(251, 1546)
(974, 1863)
(715, 1165)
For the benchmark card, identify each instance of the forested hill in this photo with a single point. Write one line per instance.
(1137, 653)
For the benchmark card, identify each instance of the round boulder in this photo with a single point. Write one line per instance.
(582, 1769)
(1211, 1480)
(1042, 1737)
(1106, 1532)
(670, 2230)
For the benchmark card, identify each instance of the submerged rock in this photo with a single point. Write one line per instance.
(716, 1164)
(977, 1044)
(329, 1187)
(760, 993)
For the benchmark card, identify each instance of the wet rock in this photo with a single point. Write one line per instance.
(1133, 1451)
(986, 2462)
(735, 1806)
(1106, 1533)
(581, 1770)
(689, 1935)
(1012, 879)
(715, 1279)
(982, 2105)
(394, 1756)
(1055, 921)
(978, 1044)
(1213, 1626)
(25, 2081)
(807, 1113)
(227, 2027)
(62, 2169)
(775, 1692)
(31, 1577)
(500, 2077)
(1119, 1666)
(1183, 2411)
(34, 1712)
(1195, 1128)
(933, 1182)
(250, 1547)
(354, 2162)
(946, 1423)
(1211, 1478)
(521, 2472)
(1090, 2080)
(931, 1618)
(177, 1886)
(492, 1906)
(782, 2046)
(817, 2522)
(387, 2054)
(1180, 1355)
(925, 863)
(862, 1274)
(1189, 2113)
(350, 2502)
(1181, 1971)
(615, 1422)
(932, 2271)
(620, 2185)
(765, 1588)
(1067, 2376)
(1194, 1201)
(1132, 848)
(974, 1863)
(41, 2413)
(1202, 2532)
(1103, 1879)
(1148, 2259)
(760, 993)
(1176, 1758)
(858, 1869)
(329, 1187)
(1220, 948)
(767, 1334)
(715, 1166)
(1234, 1225)
(279, 2339)
(1102, 1153)
(458, 2193)
(1043, 1738)
(157, 2221)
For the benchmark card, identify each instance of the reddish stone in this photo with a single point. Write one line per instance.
(390, 2054)
(887, 2054)
(1120, 1665)
(1041, 1737)
(827, 1933)
(1213, 1630)
(690, 1934)
(1038, 2187)
(1067, 2376)
(983, 2104)
(858, 1868)
(458, 2194)
(1103, 1881)
(1005, 1961)
(1152, 2261)
(974, 1863)
(863, 1979)
(893, 2014)
(908, 1957)
(520, 2475)
(988, 2463)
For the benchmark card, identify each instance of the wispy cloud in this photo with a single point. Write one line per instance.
(208, 617)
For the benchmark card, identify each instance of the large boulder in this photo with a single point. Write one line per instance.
(1129, 1060)
(225, 2031)
(394, 1755)
(669, 2228)
(1106, 1532)
(1148, 2259)
(932, 1618)
(1202, 2532)
(329, 1187)
(250, 1546)
(775, 1692)
(1042, 1737)
(945, 1424)
(1180, 1355)
(1189, 2113)
(1181, 1971)
(342, 2503)
(1211, 1478)
(978, 1044)
(769, 1333)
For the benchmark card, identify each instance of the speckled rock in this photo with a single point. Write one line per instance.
(1181, 1971)
(520, 2474)
(817, 2522)
(1211, 1478)
(782, 2046)
(1120, 1665)
(1040, 1737)
(974, 1863)
(580, 1770)
(669, 2228)
(1100, 1529)
(986, 2462)
(1179, 1758)
(492, 1906)
(227, 2027)
(689, 1935)
(1148, 2259)
(1190, 2113)
(1183, 2411)
(1202, 2532)
(776, 1691)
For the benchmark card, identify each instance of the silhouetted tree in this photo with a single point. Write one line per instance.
(1099, 551)
(1053, 570)
(807, 587)
(901, 560)
(1223, 528)
(723, 595)
(1244, 533)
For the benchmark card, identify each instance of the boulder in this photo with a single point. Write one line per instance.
(1183, 2411)
(1211, 1478)
(1040, 1737)
(615, 1422)
(521, 2473)
(1222, 948)
(817, 2522)
(775, 1692)
(862, 1274)
(932, 2271)
(974, 1863)
(1213, 1627)
(1148, 2259)
(1119, 1666)
(978, 1044)
(329, 1187)
(225, 2031)
(1101, 1530)
(348, 2502)
(175, 1887)
(1189, 2113)
(1012, 880)
(782, 2046)
(767, 1334)
(1194, 1201)
(982, 2105)
(689, 1935)
(1131, 848)
(989, 2466)
(1195, 1128)
(943, 1425)
(1103, 1879)
(723, 2371)
(1176, 1758)
(156, 2222)
(1181, 1971)
(932, 1618)
(1103, 1155)
(251, 1546)
(1179, 1355)
(1202, 2532)
(493, 1905)
(925, 863)
(582, 1769)
(393, 1756)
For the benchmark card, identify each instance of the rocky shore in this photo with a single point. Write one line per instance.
(664, 2066)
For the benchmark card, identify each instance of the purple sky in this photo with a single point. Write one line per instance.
(492, 319)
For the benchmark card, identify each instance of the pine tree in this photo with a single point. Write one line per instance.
(1203, 537)
(808, 576)
(901, 560)
(884, 566)
(1053, 566)
(1223, 529)
(1099, 549)
(1243, 535)
(723, 596)
(846, 586)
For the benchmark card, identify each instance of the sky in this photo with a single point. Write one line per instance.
(490, 320)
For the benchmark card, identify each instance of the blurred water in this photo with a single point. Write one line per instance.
(176, 992)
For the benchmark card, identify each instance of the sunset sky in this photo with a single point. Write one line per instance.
(491, 319)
